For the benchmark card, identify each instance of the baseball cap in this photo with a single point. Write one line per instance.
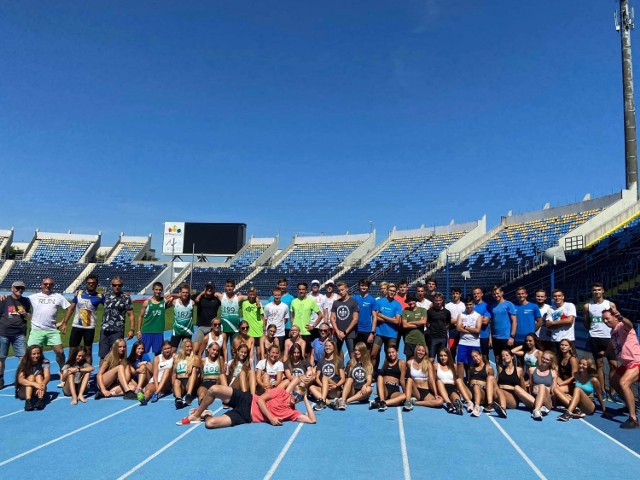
(18, 283)
(329, 283)
(315, 282)
(210, 284)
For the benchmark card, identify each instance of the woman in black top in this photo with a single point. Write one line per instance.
(390, 383)
(510, 385)
(567, 369)
(481, 382)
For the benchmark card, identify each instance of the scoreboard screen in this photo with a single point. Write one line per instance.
(208, 238)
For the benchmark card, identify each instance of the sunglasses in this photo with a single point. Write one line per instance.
(324, 330)
(19, 288)
(217, 324)
(48, 284)
(244, 328)
(298, 396)
(116, 284)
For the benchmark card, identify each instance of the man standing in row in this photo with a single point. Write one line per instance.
(15, 310)
(207, 304)
(344, 318)
(117, 305)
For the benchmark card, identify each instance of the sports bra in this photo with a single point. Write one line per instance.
(564, 371)
(445, 376)
(586, 387)
(211, 369)
(210, 340)
(391, 370)
(531, 360)
(417, 373)
(511, 379)
(480, 375)
(538, 379)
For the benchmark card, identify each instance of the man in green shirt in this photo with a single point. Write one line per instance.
(301, 310)
(414, 319)
(151, 320)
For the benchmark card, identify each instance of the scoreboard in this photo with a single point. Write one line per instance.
(207, 238)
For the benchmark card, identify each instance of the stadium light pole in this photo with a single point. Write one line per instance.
(624, 25)
(554, 255)
(466, 275)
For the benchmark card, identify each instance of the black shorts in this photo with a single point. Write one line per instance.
(183, 382)
(176, 339)
(500, 344)
(436, 344)
(598, 345)
(240, 402)
(107, 339)
(484, 346)
(364, 338)
(422, 393)
(81, 335)
(391, 388)
(209, 383)
(409, 349)
(451, 389)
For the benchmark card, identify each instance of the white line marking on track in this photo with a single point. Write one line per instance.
(60, 397)
(283, 452)
(62, 437)
(166, 447)
(518, 449)
(632, 452)
(403, 446)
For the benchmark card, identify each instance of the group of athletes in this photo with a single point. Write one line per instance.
(261, 360)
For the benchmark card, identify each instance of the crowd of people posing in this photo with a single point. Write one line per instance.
(261, 360)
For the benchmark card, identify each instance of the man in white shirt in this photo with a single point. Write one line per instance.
(276, 313)
(44, 327)
(457, 308)
(543, 333)
(560, 320)
(321, 301)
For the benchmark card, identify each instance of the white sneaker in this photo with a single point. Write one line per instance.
(536, 415)
(544, 410)
(470, 407)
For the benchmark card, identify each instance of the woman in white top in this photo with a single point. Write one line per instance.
(270, 371)
(451, 388)
(239, 372)
(161, 381)
(215, 335)
(421, 383)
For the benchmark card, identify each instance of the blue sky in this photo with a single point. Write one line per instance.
(307, 117)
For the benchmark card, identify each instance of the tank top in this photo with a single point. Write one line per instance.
(564, 371)
(391, 370)
(230, 313)
(538, 379)
(183, 318)
(236, 370)
(597, 327)
(445, 376)
(181, 367)
(164, 365)
(211, 369)
(153, 321)
(417, 373)
(586, 387)
(531, 359)
(479, 375)
(210, 340)
(511, 379)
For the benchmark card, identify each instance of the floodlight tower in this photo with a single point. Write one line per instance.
(624, 24)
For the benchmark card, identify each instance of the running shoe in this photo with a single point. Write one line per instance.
(488, 409)
(413, 401)
(499, 410)
(408, 406)
(577, 413)
(469, 406)
(476, 411)
(450, 408)
(628, 424)
(187, 421)
(458, 406)
(374, 404)
(1, 383)
(99, 395)
(188, 398)
(333, 404)
(544, 410)
(565, 417)
(320, 405)
(342, 405)
(130, 395)
(154, 398)
(39, 404)
(616, 398)
(536, 415)
(382, 406)
(142, 399)
(29, 405)
(179, 403)
(60, 385)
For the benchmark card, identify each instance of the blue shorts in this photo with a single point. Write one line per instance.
(464, 354)
(153, 342)
(19, 343)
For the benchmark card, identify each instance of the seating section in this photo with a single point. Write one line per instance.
(403, 258)
(249, 255)
(305, 262)
(136, 276)
(516, 249)
(58, 251)
(32, 273)
(126, 253)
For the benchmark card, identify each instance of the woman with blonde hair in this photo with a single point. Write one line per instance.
(114, 375)
(358, 385)
(330, 376)
(544, 380)
(185, 374)
(239, 373)
(421, 384)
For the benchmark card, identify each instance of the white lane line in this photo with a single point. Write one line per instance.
(622, 445)
(283, 452)
(518, 449)
(60, 397)
(62, 437)
(159, 452)
(403, 446)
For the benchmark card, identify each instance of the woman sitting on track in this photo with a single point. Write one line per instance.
(185, 370)
(243, 337)
(212, 372)
(296, 365)
(511, 385)
(358, 385)
(161, 381)
(32, 377)
(451, 388)
(75, 375)
(114, 376)
(391, 381)
(140, 366)
(239, 373)
(530, 353)
(267, 341)
(270, 371)
(214, 336)
(421, 385)
(330, 376)
(586, 387)
(275, 406)
(567, 368)
(481, 382)
(294, 338)
(543, 382)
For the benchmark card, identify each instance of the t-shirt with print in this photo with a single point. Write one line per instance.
(45, 310)
(12, 316)
(299, 369)
(278, 405)
(277, 315)
(270, 369)
(86, 307)
(77, 377)
(328, 369)
(344, 311)
(414, 336)
(561, 313)
(359, 375)
(115, 309)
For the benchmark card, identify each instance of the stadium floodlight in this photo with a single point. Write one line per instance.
(466, 275)
(555, 255)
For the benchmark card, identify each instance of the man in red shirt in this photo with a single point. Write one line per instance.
(275, 406)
